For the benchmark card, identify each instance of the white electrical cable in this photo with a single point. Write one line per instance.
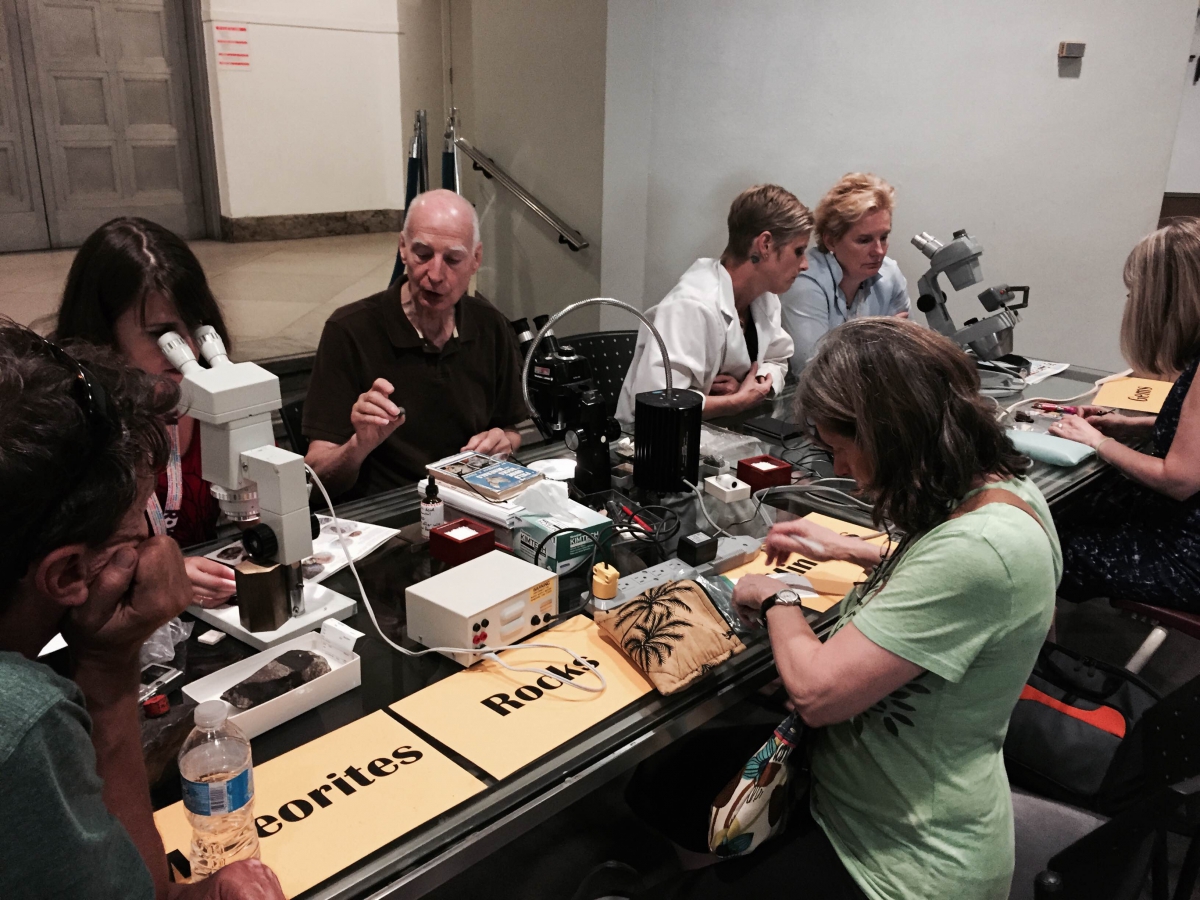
(818, 486)
(704, 509)
(1095, 387)
(490, 653)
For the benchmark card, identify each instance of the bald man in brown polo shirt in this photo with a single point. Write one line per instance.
(418, 371)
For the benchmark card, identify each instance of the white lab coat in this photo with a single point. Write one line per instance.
(700, 326)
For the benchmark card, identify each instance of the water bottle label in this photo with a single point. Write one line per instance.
(218, 797)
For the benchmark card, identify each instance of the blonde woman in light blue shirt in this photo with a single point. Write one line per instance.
(849, 272)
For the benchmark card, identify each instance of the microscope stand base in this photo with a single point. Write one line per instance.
(320, 601)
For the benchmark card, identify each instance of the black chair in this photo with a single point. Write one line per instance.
(1112, 861)
(610, 353)
(293, 415)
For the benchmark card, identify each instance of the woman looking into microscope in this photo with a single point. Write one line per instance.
(849, 272)
(131, 282)
(1140, 539)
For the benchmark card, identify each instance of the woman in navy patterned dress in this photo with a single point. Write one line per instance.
(1140, 540)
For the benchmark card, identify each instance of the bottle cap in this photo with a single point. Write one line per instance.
(211, 713)
(431, 489)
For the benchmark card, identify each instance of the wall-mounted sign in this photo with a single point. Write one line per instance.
(231, 44)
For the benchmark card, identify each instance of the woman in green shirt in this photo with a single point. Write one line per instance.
(911, 695)
(916, 685)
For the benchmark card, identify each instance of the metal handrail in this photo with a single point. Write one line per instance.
(566, 234)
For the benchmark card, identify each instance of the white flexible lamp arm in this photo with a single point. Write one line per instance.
(605, 301)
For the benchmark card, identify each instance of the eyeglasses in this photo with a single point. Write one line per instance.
(87, 394)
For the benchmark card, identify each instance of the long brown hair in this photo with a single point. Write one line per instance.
(1160, 329)
(119, 264)
(910, 400)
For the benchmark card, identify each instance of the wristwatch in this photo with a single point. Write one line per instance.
(786, 597)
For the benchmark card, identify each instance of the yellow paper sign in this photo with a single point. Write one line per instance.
(1139, 394)
(502, 720)
(329, 803)
(832, 579)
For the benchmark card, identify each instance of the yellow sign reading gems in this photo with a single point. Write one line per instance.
(1140, 394)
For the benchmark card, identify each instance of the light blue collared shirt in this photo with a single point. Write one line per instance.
(816, 304)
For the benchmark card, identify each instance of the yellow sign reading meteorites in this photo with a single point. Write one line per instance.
(329, 803)
(502, 720)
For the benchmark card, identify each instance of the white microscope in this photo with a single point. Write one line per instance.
(253, 479)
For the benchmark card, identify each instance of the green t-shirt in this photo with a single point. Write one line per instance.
(59, 838)
(912, 792)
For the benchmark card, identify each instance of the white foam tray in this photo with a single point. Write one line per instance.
(320, 601)
(345, 673)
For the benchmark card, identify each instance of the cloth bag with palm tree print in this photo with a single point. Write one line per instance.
(754, 806)
(672, 632)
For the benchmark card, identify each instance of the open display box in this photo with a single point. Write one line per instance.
(335, 642)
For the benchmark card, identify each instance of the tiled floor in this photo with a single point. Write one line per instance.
(276, 295)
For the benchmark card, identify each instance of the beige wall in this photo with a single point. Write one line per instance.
(528, 78)
(959, 105)
(313, 125)
(420, 66)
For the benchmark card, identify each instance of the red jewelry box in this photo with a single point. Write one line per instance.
(764, 471)
(450, 545)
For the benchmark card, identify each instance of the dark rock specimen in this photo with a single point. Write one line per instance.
(286, 671)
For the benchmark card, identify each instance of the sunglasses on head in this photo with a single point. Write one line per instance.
(88, 394)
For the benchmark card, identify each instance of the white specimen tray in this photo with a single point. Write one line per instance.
(335, 642)
(320, 601)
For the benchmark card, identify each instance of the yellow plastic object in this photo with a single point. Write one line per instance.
(604, 581)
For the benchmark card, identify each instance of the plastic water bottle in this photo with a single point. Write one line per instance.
(218, 791)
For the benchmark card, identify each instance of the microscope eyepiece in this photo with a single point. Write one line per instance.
(178, 353)
(212, 348)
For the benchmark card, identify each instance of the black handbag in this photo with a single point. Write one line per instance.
(1076, 734)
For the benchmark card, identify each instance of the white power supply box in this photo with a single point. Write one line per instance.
(490, 601)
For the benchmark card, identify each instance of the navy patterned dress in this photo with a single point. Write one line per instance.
(1131, 543)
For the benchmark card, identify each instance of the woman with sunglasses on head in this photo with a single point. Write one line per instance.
(131, 282)
(908, 700)
(1140, 539)
(849, 272)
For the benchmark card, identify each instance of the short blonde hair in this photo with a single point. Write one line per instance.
(855, 195)
(1160, 329)
(765, 207)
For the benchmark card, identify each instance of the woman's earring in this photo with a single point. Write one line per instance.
(755, 258)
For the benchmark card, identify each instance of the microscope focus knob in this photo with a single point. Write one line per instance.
(314, 525)
(571, 439)
(260, 542)
(926, 303)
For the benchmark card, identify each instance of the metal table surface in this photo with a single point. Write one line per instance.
(435, 851)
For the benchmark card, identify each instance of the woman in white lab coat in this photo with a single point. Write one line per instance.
(721, 322)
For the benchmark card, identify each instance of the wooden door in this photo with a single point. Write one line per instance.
(111, 117)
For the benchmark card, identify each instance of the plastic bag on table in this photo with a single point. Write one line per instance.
(160, 646)
(720, 592)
